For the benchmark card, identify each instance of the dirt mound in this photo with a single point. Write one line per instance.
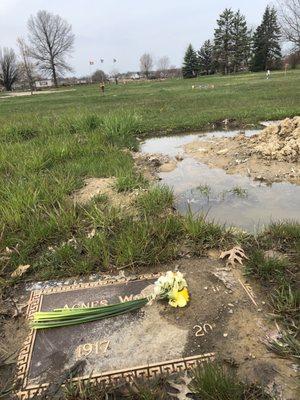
(93, 187)
(272, 155)
(151, 164)
(280, 142)
(103, 187)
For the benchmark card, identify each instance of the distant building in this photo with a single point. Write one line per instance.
(81, 81)
(135, 76)
(44, 83)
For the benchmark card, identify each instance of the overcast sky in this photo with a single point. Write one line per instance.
(125, 29)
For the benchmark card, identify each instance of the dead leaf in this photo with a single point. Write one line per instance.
(8, 250)
(92, 233)
(20, 271)
(182, 388)
(236, 254)
(19, 309)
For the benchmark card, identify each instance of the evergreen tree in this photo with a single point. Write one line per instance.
(240, 42)
(190, 63)
(205, 57)
(223, 39)
(266, 47)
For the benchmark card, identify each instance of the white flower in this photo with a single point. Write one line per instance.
(166, 284)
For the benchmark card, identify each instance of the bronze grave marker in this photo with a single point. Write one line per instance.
(140, 343)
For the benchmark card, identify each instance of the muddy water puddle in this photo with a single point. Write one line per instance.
(233, 200)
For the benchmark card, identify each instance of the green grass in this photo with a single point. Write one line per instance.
(235, 191)
(151, 235)
(156, 200)
(205, 190)
(203, 234)
(266, 268)
(279, 275)
(50, 143)
(147, 389)
(239, 191)
(127, 181)
(166, 106)
(287, 345)
(210, 381)
(41, 168)
(214, 382)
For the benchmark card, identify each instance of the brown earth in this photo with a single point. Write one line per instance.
(273, 155)
(147, 165)
(94, 187)
(151, 164)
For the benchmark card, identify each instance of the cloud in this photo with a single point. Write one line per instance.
(8, 6)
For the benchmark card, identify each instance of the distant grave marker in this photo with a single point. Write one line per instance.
(144, 343)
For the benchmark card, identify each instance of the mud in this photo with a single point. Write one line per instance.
(273, 155)
(147, 165)
(151, 164)
(239, 327)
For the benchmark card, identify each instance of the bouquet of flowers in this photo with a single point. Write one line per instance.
(171, 286)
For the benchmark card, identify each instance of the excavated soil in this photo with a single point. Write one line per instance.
(273, 155)
(93, 187)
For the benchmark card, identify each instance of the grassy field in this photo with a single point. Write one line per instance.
(50, 142)
(168, 105)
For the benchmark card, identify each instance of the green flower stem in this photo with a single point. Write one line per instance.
(67, 317)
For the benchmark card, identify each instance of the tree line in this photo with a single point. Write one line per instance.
(236, 48)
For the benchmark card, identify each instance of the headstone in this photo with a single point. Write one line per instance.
(153, 340)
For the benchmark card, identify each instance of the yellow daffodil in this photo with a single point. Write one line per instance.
(179, 298)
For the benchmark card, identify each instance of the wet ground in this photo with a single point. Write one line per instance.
(233, 200)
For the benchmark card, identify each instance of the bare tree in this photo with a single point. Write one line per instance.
(8, 68)
(146, 63)
(51, 40)
(289, 14)
(27, 67)
(114, 73)
(99, 76)
(163, 64)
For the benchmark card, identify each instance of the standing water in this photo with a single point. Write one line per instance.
(233, 200)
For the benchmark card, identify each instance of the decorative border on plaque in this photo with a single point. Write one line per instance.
(149, 371)
(145, 371)
(26, 351)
